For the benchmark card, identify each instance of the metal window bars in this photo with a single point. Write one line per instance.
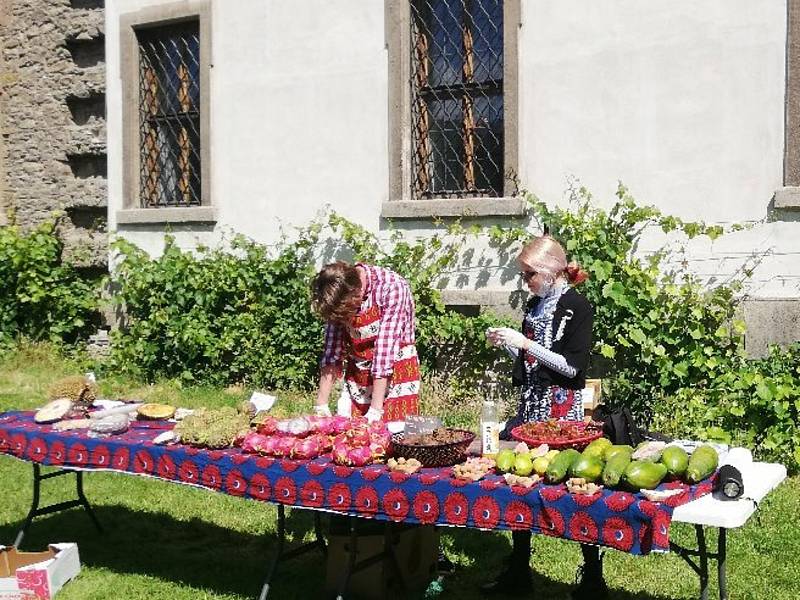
(169, 115)
(457, 98)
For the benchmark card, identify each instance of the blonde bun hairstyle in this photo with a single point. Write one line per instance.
(544, 254)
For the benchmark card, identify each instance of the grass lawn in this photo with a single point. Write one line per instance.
(172, 542)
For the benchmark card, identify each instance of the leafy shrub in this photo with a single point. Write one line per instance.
(218, 316)
(41, 297)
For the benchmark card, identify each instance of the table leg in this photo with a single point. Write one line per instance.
(37, 511)
(351, 558)
(280, 555)
(703, 553)
(722, 551)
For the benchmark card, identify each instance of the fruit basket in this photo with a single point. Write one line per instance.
(558, 435)
(431, 452)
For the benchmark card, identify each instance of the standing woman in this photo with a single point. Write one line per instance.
(369, 337)
(552, 356)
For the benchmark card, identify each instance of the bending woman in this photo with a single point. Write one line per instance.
(369, 338)
(552, 356)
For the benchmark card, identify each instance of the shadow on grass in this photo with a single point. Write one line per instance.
(203, 555)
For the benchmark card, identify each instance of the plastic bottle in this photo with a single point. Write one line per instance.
(490, 426)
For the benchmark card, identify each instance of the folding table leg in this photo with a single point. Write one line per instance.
(280, 555)
(703, 552)
(37, 511)
(722, 551)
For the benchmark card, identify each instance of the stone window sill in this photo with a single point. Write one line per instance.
(140, 216)
(787, 198)
(470, 207)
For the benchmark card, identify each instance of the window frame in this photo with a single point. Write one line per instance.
(401, 203)
(132, 211)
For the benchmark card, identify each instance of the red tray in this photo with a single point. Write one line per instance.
(579, 443)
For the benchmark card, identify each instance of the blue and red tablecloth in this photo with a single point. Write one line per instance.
(621, 520)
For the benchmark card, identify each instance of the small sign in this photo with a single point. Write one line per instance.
(418, 424)
(262, 401)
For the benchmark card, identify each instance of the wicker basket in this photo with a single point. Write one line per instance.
(438, 455)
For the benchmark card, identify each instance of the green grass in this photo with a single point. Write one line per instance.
(168, 541)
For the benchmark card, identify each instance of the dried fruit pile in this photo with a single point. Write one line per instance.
(213, 428)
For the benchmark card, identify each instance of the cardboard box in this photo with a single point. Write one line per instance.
(592, 395)
(416, 547)
(29, 575)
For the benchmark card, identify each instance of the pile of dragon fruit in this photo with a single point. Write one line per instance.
(351, 441)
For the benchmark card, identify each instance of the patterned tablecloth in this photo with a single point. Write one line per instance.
(621, 520)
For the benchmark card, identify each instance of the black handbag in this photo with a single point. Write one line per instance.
(619, 426)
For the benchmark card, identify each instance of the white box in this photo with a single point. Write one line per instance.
(29, 575)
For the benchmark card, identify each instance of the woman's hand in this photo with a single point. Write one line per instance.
(374, 414)
(509, 337)
(322, 410)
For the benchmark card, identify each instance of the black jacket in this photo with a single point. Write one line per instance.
(575, 344)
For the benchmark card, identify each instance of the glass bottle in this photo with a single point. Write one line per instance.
(490, 425)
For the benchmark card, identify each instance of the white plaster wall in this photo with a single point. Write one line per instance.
(298, 115)
(683, 100)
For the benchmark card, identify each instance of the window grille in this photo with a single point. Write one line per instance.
(169, 115)
(457, 98)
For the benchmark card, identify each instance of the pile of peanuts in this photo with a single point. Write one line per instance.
(408, 466)
(474, 468)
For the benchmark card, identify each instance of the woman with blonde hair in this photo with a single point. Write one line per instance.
(552, 353)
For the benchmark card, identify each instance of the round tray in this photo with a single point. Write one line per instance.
(440, 455)
(579, 443)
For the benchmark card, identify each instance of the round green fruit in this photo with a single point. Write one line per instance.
(505, 460)
(523, 465)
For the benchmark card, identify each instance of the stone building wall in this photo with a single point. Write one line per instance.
(52, 119)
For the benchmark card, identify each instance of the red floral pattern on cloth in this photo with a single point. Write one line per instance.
(367, 501)
(486, 512)
(312, 494)
(518, 516)
(426, 507)
(395, 504)
(260, 488)
(618, 533)
(456, 508)
(618, 519)
(34, 580)
(211, 477)
(101, 457)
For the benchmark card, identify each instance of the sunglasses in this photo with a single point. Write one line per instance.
(527, 275)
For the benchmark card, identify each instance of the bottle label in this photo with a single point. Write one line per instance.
(490, 438)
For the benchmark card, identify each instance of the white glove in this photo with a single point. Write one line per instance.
(491, 335)
(322, 410)
(512, 338)
(374, 414)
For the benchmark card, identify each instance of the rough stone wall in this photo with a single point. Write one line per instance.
(52, 118)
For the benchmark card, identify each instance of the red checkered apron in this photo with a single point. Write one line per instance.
(402, 392)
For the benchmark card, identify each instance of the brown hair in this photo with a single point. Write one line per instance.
(545, 254)
(336, 292)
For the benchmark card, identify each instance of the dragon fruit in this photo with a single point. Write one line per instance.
(268, 445)
(358, 457)
(325, 442)
(268, 426)
(339, 453)
(253, 442)
(378, 450)
(306, 448)
(283, 446)
(298, 426)
(323, 425)
(357, 437)
(340, 424)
